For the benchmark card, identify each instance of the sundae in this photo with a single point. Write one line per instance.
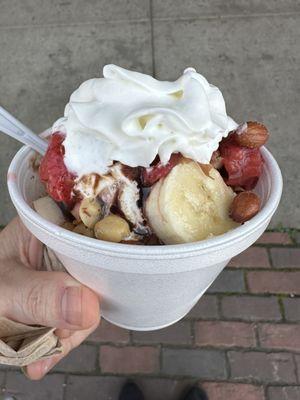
(140, 161)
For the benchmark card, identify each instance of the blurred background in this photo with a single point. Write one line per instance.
(250, 49)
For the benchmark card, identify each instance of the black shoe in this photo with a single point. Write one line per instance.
(194, 393)
(130, 391)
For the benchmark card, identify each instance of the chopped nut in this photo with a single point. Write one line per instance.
(68, 225)
(251, 134)
(245, 205)
(112, 229)
(83, 230)
(90, 212)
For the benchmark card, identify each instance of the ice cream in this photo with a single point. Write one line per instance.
(131, 117)
(137, 160)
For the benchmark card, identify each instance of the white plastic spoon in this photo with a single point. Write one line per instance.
(14, 128)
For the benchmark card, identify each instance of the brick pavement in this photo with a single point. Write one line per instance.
(240, 342)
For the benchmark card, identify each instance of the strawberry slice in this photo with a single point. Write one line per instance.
(242, 166)
(154, 173)
(53, 172)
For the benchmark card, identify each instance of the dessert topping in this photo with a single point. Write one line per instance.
(90, 211)
(245, 205)
(242, 166)
(133, 118)
(53, 172)
(153, 174)
(251, 134)
(112, 228)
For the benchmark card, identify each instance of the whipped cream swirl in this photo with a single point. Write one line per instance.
(131, 117)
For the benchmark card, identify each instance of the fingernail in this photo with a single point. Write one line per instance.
(72, 305)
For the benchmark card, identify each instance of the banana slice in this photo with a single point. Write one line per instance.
(48, 209)
(190, 204)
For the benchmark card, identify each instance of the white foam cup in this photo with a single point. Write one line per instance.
(142, 287)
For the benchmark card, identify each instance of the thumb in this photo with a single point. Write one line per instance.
(53, 299)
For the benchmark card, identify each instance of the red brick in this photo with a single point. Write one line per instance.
(280, 336)
(179, 333)
(228, 281)
(284, 393)
(297, 359)
(129, 360)
(197, 363)
(274, 282)
(254, 257)
(262, 367)
(225, 334)
(91, 388)
(233, 391)
(108, 388)
(51, 387)
(107, 332)
(251, 308)
(285, 258)
(158, 389)
(274, 238)
(206, 308)
(81, 359)
(292, 308)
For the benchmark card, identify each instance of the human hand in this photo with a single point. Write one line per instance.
(53, 299)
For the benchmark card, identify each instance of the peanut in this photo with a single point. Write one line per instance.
(90, 212)
(112, 229)
(244, 206)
